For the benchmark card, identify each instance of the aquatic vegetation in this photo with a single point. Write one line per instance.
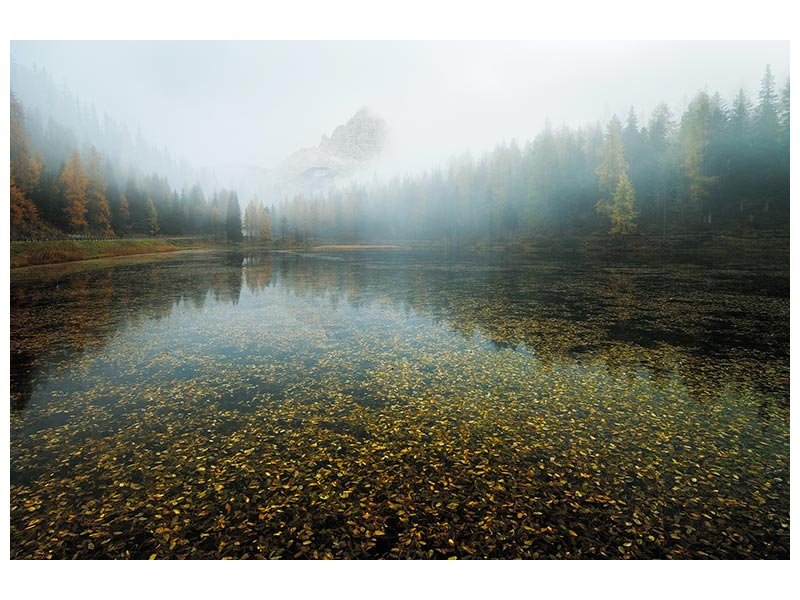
(286, 406)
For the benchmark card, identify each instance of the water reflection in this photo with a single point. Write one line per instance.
(60, 312)
(279, 405)
(668, 321)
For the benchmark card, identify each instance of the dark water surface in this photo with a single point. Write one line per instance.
(391, 404)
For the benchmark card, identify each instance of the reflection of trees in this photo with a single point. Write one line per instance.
(67, 309)
(622, 290)
(663, 322)
(632, 320)
(257, 270)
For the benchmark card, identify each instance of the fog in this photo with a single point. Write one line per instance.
(232, 105)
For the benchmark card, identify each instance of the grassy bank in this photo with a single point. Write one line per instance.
(24, 254)
(770, 244)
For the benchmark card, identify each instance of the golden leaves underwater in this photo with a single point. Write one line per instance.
(294, 407)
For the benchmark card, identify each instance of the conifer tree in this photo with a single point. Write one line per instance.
(264, 225)
(152, 217)
(695, 131)
(623, 209)
(98, 210)
(122, 222)
(233, 219)
(23, 211)
(613, 168)
(73, 187)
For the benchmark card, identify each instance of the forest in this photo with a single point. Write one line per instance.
(721, 165)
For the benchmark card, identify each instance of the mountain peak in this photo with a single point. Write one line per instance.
(350, 146)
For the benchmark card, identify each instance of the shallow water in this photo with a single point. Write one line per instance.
(397, 404)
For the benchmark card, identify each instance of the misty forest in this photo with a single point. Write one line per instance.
(721, 164)
(572, 344)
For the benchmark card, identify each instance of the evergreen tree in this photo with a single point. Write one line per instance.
(233, 219)
(767, 113)
(767, 140)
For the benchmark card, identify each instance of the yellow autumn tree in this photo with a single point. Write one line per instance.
(264, 225)
(695, 132)
(23, 211)
(97, 207)
(24, 176)
(618, 196)
(74, 185)
(622, 210)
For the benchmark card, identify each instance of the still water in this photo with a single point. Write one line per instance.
(390, 404)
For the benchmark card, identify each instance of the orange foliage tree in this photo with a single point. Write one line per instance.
(74, 186)
(98, 209)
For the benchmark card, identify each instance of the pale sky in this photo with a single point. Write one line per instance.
(222, 104)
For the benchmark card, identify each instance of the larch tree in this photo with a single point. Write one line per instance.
(98, 210)
(123, 216)
(695, 131)
(264, 225)
(623, 208)
(612, 170)
(24, 175)
(23, 211)
(25, 171)
(152, 217)
(74, 184)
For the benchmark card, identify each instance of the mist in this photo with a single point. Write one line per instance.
(232, 106)
(400, 300)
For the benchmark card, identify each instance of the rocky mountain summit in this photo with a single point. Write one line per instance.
(349, 148)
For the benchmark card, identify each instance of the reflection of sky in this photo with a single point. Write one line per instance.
(308, 318)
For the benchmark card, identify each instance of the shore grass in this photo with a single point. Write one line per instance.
(25, 254)
(647, 246)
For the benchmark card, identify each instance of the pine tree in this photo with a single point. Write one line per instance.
(233, 219)
(767, 111)
(784, 108)
(767, 142)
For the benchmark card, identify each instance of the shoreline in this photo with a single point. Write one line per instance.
(722, 245)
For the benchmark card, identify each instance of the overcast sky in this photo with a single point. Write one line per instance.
(253, 103)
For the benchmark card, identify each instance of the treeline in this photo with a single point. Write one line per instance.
(58, 121)
(720, 165)
(85, 196)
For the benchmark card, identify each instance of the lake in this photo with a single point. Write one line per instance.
(399, 404)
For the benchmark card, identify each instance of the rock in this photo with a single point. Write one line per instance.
(349, 148)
